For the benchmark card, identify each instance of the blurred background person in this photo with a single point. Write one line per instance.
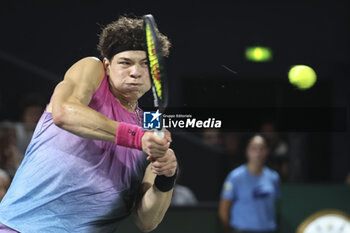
(231, 142)
(212, 137)
(183, 196)
(249, 193)
(4, 183)
(9, 155)
(278, 148)
(31, 108)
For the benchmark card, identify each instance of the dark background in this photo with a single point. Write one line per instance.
(42, 39)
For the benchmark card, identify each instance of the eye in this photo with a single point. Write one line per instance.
(124, 63)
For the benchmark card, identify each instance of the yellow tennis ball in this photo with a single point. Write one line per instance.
(302, 76)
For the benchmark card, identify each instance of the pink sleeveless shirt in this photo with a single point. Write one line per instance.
(67, 183)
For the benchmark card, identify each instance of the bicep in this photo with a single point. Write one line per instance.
(80, 82)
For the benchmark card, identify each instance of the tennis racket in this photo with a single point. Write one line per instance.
(156, 67)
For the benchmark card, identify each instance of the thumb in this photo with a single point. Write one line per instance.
(167, 135)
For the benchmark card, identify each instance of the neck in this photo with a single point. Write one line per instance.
(129, 105)
(254, 168)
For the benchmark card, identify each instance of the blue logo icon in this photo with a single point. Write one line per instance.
(152, 120)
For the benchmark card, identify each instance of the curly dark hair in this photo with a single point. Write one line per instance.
(127, 32)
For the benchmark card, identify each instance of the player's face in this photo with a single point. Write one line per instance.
(257, 151)
(128, 74)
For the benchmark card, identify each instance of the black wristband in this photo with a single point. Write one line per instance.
(164, 183)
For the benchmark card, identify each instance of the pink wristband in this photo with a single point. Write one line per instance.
(129, 135)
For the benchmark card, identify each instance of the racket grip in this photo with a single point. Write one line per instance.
(159, 133)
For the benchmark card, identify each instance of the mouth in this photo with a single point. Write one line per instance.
(134, 84)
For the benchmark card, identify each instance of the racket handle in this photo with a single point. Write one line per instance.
(159, 133)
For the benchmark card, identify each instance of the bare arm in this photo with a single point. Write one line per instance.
(224, 214)
(69, 105)
(70, 111)
(154, 203)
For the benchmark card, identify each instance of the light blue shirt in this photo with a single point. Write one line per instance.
(252, 198)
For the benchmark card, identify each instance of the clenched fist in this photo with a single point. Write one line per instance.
(165, 165)
(155, 146)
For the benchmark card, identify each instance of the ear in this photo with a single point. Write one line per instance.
(106, 65)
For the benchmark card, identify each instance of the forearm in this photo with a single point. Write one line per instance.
(224, 214)
(225, 221)
(152, 208)
(83, 121)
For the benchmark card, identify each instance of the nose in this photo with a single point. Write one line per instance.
(135, 71)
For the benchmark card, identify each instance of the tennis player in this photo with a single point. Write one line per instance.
(90, 164)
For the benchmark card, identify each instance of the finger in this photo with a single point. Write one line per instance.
(159, 150)
(164, 171)
(158, 140)
(163, 159)
(152, 147)
(168, 168)
(167, 135)
(155, 155)
(164, 164)
(157, 164)
(169, 154)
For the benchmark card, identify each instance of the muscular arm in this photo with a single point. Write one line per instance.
(70, 111)
(69, 105)
(154, 203)
(224, 214)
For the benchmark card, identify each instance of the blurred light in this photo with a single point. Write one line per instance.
(258, 54)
